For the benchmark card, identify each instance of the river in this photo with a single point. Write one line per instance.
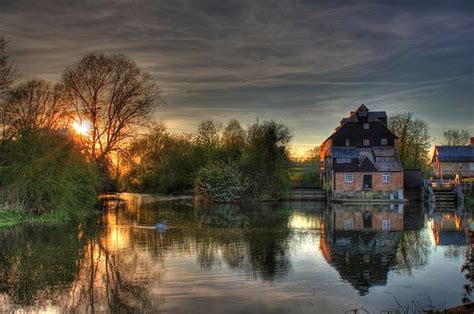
(299, 257)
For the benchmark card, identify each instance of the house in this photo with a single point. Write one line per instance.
(359, 159)
(448, 161)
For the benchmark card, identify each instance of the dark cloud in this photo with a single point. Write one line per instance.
(303, 62)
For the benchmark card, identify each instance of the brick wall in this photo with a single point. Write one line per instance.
(396, 221)
(396, 181)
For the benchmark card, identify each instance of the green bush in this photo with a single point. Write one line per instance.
(45, 172)
(221, 182)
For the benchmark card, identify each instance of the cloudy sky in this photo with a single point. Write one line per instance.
(306, 63)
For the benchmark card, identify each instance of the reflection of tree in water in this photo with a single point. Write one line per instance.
(255, 239)
(414, 250)
(37, 262)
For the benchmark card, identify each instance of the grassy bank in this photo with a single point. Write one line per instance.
(13, 217)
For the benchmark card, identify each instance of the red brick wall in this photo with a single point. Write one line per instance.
(396, 181)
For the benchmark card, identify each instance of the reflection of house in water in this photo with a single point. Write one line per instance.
(449, 227)
(361, 241)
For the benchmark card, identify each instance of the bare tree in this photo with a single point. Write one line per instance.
(114, 95)
(7, 77)
(36, 105)
(454, 137)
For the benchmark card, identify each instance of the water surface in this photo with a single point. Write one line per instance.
(301, 257)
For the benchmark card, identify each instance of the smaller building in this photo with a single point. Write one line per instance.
(448, 161)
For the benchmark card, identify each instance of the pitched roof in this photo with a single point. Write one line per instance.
(455, 153)
(373, 116)
(363, 159)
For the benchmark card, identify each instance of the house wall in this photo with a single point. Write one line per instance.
(396, 181)
(452, 168)
(396, 221)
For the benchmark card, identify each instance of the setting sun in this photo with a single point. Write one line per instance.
(81, 128)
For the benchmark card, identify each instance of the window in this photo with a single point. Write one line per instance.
(343, 160)
(348, 225)
(385, 177)
(366, 126)
(366, 142)
(385, 224)
(384, 141)
(347, 142)
(471, 166)
(348, 177)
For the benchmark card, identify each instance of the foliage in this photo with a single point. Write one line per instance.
(414, 140)
(221, 182)
(45, 172)
(162, 162)
(266, 159)
(114, 95)
(454, 137)
(169, 163)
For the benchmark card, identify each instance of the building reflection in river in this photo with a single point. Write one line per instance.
(361, 242)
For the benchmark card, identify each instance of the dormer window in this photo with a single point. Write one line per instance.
(366, 142)
(366, 126)
(384, 141)
(347, 142)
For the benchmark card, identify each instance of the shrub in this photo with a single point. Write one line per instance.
(221, 182)
(45, 172)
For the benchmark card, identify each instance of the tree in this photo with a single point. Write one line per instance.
(414, 140)
(7, 77)
(266, 158)
(114, 95)
(233, 140)
(454, 137)
(36, 105)
(208, 134)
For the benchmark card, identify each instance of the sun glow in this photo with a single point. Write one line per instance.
(82, 127)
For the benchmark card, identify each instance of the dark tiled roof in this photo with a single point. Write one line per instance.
(455, 153)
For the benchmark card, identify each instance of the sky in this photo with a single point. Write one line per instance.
(304, 63)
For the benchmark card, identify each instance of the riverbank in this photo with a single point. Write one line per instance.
(12, 217)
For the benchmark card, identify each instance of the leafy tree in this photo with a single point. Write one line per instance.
(162, 162)
(454, 137)
(36, 105)
(46, 172)
(233, 140)
(114, 95)
(266, 159)
(414, 140)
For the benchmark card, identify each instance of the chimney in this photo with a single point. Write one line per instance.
(472, 140)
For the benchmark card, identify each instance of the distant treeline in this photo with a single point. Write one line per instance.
(218, 163)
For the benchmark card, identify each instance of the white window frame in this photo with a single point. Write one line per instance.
(366, 142)
(386, 224)
(348, 142)
(348, 224)
(471, 166)
(384, 142)
(348, 177)
(385, 177)
(366, 126)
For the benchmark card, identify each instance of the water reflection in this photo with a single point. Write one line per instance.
(213, 256)
(361, 242)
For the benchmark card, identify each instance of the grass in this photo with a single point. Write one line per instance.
(12, 217)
